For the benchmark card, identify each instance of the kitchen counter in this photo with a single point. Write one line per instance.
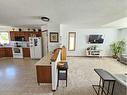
(6, 46)
(11, 47)
(43, 70)
(121, 78)
(45, 61)
(7, 51)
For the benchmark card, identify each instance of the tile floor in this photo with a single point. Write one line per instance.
(18, 76)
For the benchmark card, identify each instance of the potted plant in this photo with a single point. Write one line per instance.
(117, 48)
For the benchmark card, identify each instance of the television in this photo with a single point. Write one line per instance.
(96, 39)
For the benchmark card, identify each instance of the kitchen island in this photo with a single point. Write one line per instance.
(46, 68)
(43, 69)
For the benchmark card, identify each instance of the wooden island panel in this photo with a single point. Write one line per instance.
(43, 70)
(44, 74)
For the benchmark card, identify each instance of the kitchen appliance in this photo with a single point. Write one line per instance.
(17, 52)
(35, 47)
(19, 38)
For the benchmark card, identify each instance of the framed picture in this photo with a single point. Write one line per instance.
(54, 37)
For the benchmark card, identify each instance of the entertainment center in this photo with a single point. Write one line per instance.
(95, 41)
(94, 53)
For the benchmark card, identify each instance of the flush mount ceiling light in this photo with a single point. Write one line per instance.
(46, 19)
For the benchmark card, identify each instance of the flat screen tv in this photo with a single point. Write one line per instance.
(96, 39)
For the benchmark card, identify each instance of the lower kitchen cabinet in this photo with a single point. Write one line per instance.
(2, 52)
(8, 52)
(26, 52)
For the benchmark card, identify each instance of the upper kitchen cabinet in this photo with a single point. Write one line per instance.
(38, 34)
(12, 36)
(24, 34)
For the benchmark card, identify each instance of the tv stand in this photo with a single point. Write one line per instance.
(94, 53)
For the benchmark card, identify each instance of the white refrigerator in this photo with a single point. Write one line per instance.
(35, 47)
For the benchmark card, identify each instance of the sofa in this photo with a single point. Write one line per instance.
(123, 59)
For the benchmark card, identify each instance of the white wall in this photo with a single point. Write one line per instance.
(5, 28)
(122, 35)
(110, 35)
(53, 45)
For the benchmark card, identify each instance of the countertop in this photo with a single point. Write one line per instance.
(45, 61)
(121, 78)
(11, 47)
(6, 46)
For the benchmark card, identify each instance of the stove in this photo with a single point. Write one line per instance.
(17, 52)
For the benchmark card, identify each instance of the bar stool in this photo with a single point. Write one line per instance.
(62, 66)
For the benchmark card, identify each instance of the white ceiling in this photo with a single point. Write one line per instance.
(86, 13)
(121, 23)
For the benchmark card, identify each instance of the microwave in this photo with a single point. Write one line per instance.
(19, 38)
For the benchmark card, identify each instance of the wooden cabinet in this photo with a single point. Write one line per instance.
(44, 74)
(26, 34)
(12, 36)
(26, 52)
(2, 52)
(8, 52)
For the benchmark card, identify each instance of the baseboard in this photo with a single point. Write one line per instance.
(92, 56)
(76, 56)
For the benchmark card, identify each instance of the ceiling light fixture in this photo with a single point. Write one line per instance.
(46, 19)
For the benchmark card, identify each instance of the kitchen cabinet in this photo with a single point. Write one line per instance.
(2, 52)
(26, 52)
(8, 52)
(12, 36)
(26, 34)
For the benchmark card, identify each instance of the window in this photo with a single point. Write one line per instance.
(4, 38)
(71, 41)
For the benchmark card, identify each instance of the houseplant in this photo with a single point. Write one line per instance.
(117, 48)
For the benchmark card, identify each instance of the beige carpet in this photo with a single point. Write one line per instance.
(81, 75)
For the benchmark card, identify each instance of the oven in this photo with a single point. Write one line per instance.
(17, 52)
